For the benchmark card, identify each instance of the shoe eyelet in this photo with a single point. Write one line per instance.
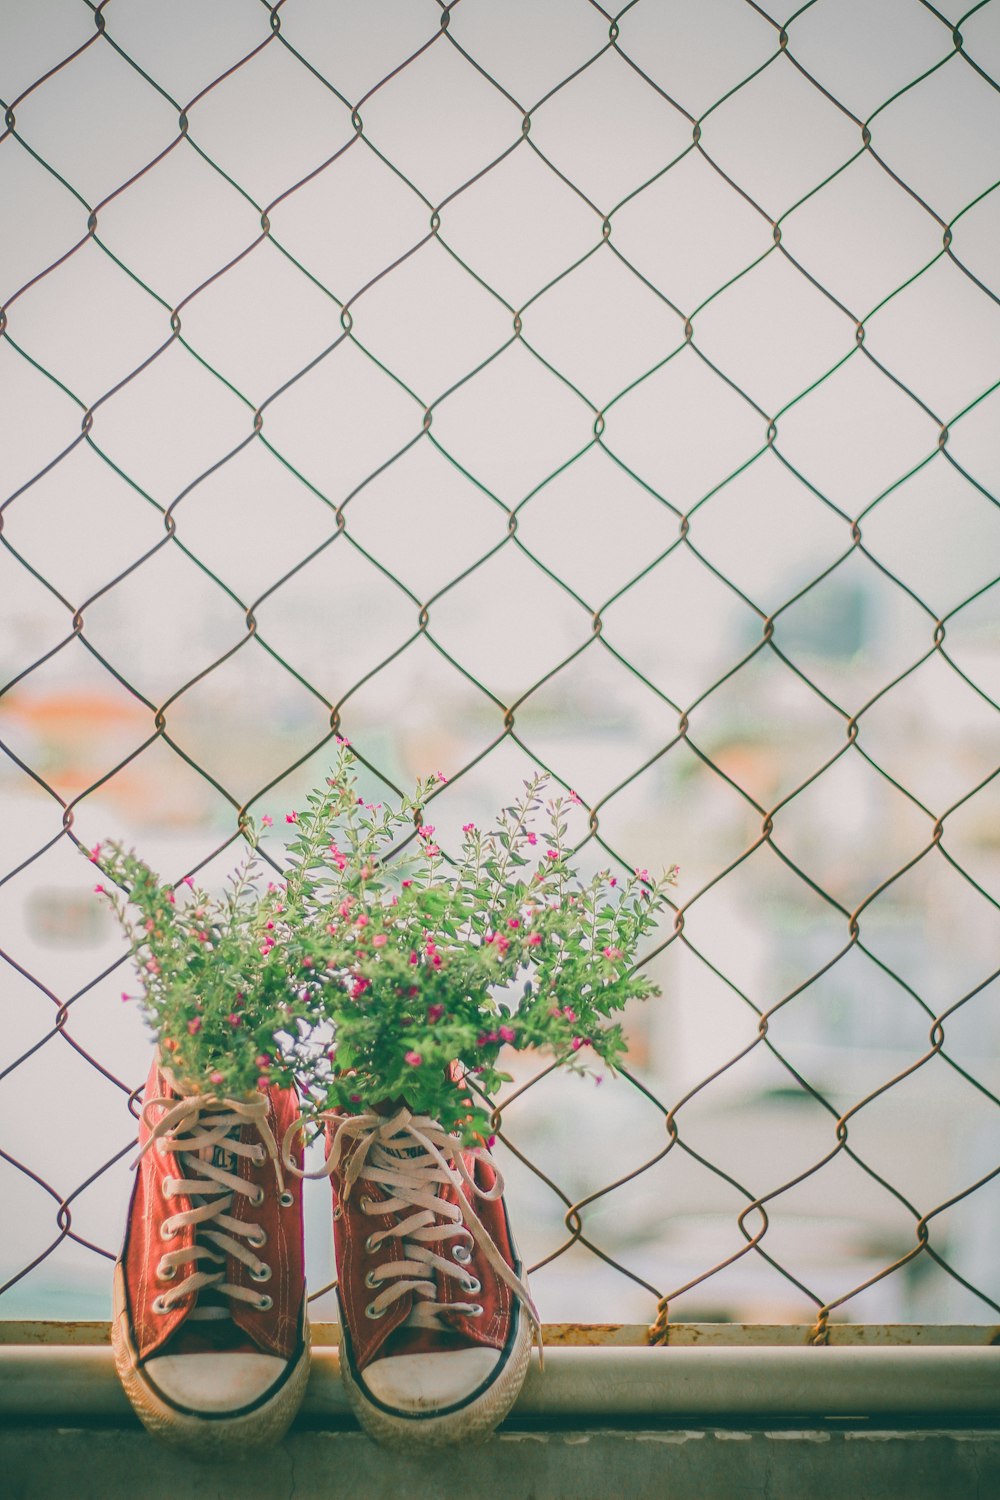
(338, 1212)
(472, 1285)
(265, 1303)
(286, 1199)
(371, 1311)
(365, 1203)
(166, 1273)
(372, 1281)
(257, 1241)
(462, 1254)
(261, 1273)
(167, 1187)
(372, 1243)
(159, 1306)
(257, 1198)
(476, 1311)
(168, 1230)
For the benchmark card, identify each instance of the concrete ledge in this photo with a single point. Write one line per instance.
(579, 1464)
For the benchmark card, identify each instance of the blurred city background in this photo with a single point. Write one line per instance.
(505, 386)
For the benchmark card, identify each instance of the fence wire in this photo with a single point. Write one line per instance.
(509, 715)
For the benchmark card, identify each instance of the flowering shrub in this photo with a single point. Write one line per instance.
(420, 969)
(420, 963)
(212, 974)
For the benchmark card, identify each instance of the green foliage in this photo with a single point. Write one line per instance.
(421, 965)
(419, 970)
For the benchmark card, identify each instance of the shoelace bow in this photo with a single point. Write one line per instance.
(188, 1127)
(410, 1157)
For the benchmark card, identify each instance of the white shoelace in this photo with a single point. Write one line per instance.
(410, 1157)
(197, 1129)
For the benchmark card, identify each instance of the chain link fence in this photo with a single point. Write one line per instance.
(514, 386)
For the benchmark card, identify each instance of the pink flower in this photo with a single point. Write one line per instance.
(432, 849)
(577, 1043)
(468, 827)
(575, 800)
(152, 966)
(359, 986)
(491, 1142)
(426, 830)
(641, 874)
(414, 1059)
(414, 958)
(234, 1020)
(171, 899)
(507, 1033)
(94, 854)
(612, 881)
(513, 922)
(366, 872)
(194, 1026)
(503, 944)
(379, 940)
(127, 997)
(532, 838)
(188, 881)
(263, 1082)
(361, 920)
(215, 1078)
(98, 890)
(552, 854)
(307, 962)
(263, 1061)
(344, 908)
(440, 776)
(291, 817)
(355, 1098)
(535, 939)
(407, 884)
(266, 821)
(490, 937)
(612, 952)
(202, 937)
(569, 1014)
(434, 1013)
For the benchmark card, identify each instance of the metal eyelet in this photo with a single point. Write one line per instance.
(261, 1272)
(257, 1241)
(472, 1285)
(286, 1199)
(168, 1230)
(371, 1311)
(365, 1203)
(462, 1254)
(476, 1311)
(257, 1198)
(159, 1306)
(338, 1212)
(372, 1243)
(265, 1303)
(372, 1281)
(166, 1273)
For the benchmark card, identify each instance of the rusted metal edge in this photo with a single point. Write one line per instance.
(54, 1333)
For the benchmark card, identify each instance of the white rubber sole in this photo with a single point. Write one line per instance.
(215, 1438)
(472, 1422)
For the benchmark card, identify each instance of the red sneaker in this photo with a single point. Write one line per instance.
(436, 1317)
(210, 1333)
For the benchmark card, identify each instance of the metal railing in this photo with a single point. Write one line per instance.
(680, 749)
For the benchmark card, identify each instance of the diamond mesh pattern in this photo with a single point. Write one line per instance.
(516, 386)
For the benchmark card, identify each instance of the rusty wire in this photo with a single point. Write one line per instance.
(753, 1219)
